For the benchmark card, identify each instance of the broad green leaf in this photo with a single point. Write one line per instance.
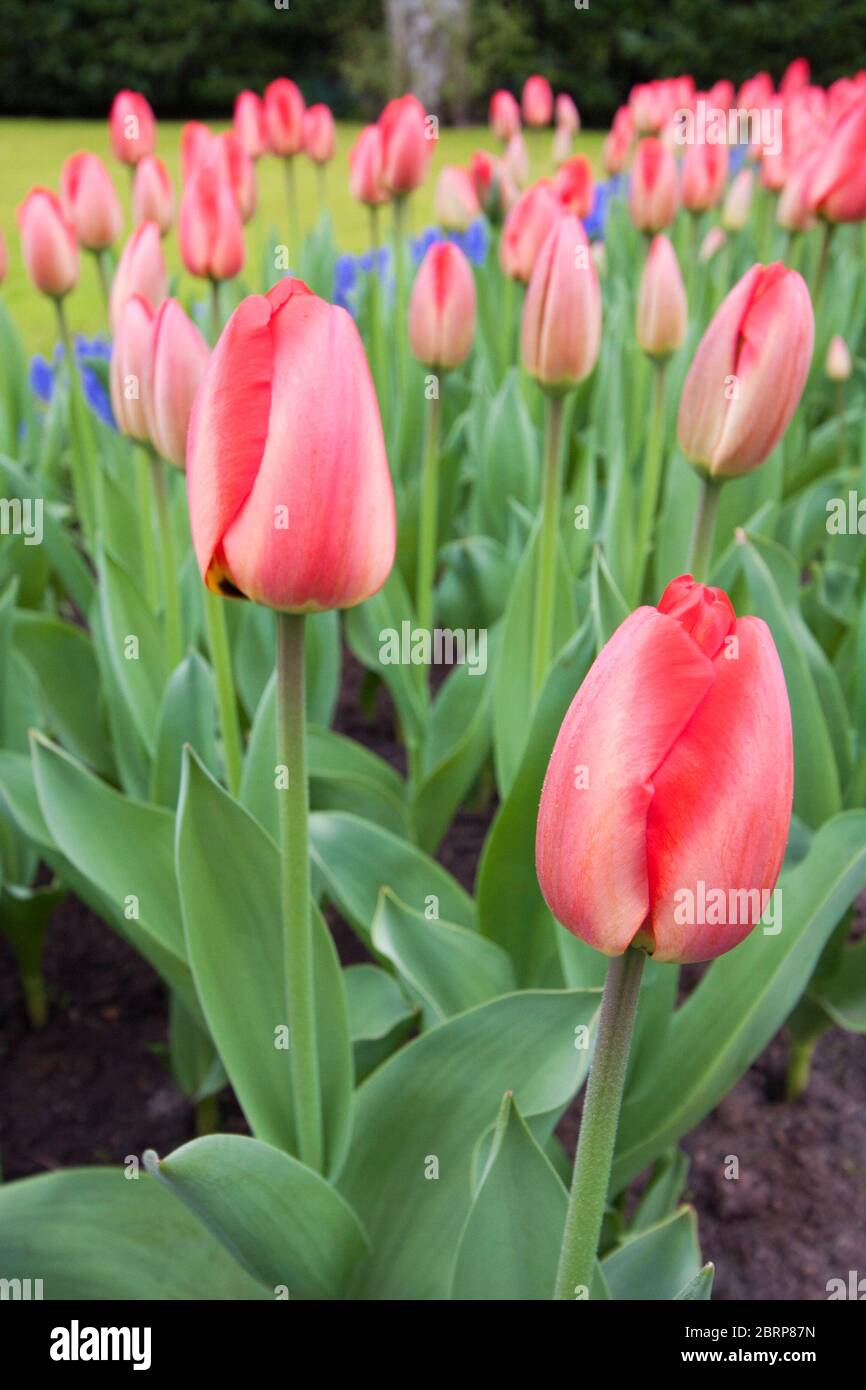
(380, 1016)
(377, 631)
(699, 1289)
(656, 1264)
(134, 644)
(454, 748)
(842, 993)
(609, 608)
(187, 715)
(663, 1191)
(61, 658)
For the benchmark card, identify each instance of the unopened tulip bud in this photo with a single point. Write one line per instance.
(319, 133)
(838, 367)
(90, 202)
(504, 115)
(130, 367)
(654, 196)
(238, 170)
(748, 373)
(526, 228)
(176, 364)
(516, 160)
(573, 184)
(140, 270)
(455, 202)
(284, 117)
(211, 233)
(132, 126)
(705, 171)
(738, 201)
(662, 315)
(537, 101)
(793, 211)
(670, 783)
(48, 243)
(197, 147)
(561, 327)
(249, 123)
(406, 149)
(837, 186)
(365, 168)
(494, 188)
(567, 115)
(152, 194)
(442, 308)
(290, 494)
(561, 148)
(712, 244)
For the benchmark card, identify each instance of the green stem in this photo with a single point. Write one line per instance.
(598, 1126)
(400, 291)
(294, 226)
(651, 477)
(297, 925)
(171, 593)
(545, 586)
(507, 336)
(216, 316)
(144, 507)
(377, 342)
(206, 1116)
(823, 262)
(800, 1066)
(101, 258)
(221, 660)
(79, 460)
(322, 184)
(35, 998)
(701, 547)
(428, 516)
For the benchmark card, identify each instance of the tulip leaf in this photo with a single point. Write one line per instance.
(282, 1222)
(699, 1288)
(380, 1016)
(509, 466)
(842, 992)
(187, 715)
(379, 632)
(134, 645)
(455, 745)
(62, 660)
(655, 1264)
(609, 608)
(65, 558)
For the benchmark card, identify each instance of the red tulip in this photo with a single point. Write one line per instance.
(130, 365)
(667, 801)
(284, 117)
(567, 115)
(442, 307)
(132, 126)
(197, 147)
(504, 115)
(721, 95)
(406, 150)
(650, 106)
(837, 188)
(90, 202)
(493, 185)
(560, 331)
(796, 76)
(48, 243)
(290, 494)
(793, 211)
(748, 372)
(756, 92)
(319, 133)
(176, 362)
(238, 170)
(211, 234)
(573, 184)
(365, 167)
(705, 172)
(140, 270)
(456, 202)
(249, 123)
(662, 315)
(152, 193)
(654, 195)
(526, 228)
(537, 101)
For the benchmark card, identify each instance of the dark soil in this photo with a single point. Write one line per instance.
(92, 1086)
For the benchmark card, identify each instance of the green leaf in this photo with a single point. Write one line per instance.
(187, 715)
(454, 748)
(698, 1289)
(842, 993)
(134, 644)
(390, 611)
(281, 1221)
(655, 1265)
(609, 608)
(379, 1015)
(62, 660)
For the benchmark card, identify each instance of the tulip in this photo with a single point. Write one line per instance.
(614, 153)
(649, 105)
(721, 95)
(211, 234)
(561, 148)
(682, 730)
(152, 194)
(130, 366)
(837, 186)
(365, 168)
(455, 202)
(48, 243)
(838, 366)
(442, 308)
(738, 201)
(504, 115)
(90, 202)
(238, 171)
(175, 365)
(537, 101)
(705, 171)
(793, 210)
(654, 195)
(406, 149)
(795, 76)
(662, 316)
(493, 186)
(284, 117)
(573, 184)
(517, 160)
(567, 116)
(140, 270)
(561, 325)
(249, 123)
(712, 243)
(197, 147)
(132, 126)
(774, 170)
(319, 133)
(526, 228)
(748, 373)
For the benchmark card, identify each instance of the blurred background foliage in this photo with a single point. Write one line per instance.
(190, 57)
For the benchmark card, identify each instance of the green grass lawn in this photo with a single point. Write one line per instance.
(35, 151)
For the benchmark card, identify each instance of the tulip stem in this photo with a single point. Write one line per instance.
(216, 316)
(81, 449)
(170, 591)
(294, 228)
(144, 506)
(701, 548)
(598, 1126)
(101, 258)
(651, 477)
(322, 181)
(428, 516)
(376, 340)
(400, 291)
(297, 924)
(823, 262)
(221, 660)
(545, 583)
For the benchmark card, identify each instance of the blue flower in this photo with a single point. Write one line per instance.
(41, 377)
(96, 396)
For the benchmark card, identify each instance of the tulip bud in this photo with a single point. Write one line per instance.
(711, 244)
(793, 211)
(560, 331)
(132, 126)
(504, 115)
(152, 194)
(705, 171)
(130, 366)
(239, 172)
(669, 788)
(561, 148)
(573, 185)
(48, 243)
(537, 101)
(456, 202)
(284, 117)
(176, 362)
(365, 167)
(662, 315)
(837, 186)
(838, 367)
(526, 228)
(748, 373)
(442, 308)
(567, 116)
(197, 147)
(290, 494)
(654, 196)
(517, 160)
(90, 202)
(249, 123)
(406, 150)
(494, 189)
(738, 202)
(140, 270)
(211, 234)
(319, 133)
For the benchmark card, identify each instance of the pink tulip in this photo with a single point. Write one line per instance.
(794, 211)
(48, 243)
(319, 133)
(537, 101)
(567, 115)
(774, 170)
(712, 243)
(284, 117)
(662, 315)
(574, 186)
(795, 76)
(176, 363)
(290, 494)
(130, 366)
(211, 232)
(197, 147)
(738, 201)
(670, 784)
(406, 150)
(140, 270)
(90, 202)
(654, 195)
(837, 188)
(455, 203)
(442, 308)
(493, 186)
(504, 115)
(721, 95)
(152, 194)
(748, 373)
(560, 332)
(132, 126)
(838, 364)
(705, 172)
(239, 172)
(516, 160)
(249, 123)
(526, 228)
(561, 147)
(365, 168)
